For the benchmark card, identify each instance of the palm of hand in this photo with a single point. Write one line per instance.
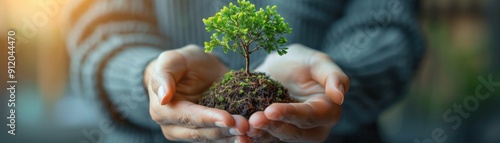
(314, 80)
(175, 81)
(199, 71)
(196, 81)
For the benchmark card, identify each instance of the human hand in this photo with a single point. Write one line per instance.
(175, 81)
(316, 82)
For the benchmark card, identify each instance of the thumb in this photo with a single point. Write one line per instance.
(330, 76)
(166, 88)
(169, 70)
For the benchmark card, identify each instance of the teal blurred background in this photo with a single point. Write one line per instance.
(463, 41)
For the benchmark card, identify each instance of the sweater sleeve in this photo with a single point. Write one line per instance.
(379, 46)
(110, 43)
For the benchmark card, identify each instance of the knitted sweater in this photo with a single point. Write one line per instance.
(110, 42)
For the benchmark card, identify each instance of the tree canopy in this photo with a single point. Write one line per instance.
(243, 29)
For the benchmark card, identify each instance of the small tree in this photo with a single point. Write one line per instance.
(244, 30)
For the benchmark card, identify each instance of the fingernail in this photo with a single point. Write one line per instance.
(235, 131)
(237, 141)
(220, 124)
(263, 127)
(161, 93)
(251, 132)
(341, 90)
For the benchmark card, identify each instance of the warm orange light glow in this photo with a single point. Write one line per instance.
(41, 51)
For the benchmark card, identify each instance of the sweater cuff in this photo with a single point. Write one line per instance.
(123, 83)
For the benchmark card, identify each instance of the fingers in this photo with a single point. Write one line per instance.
(215, 134)
(203, 69)
(169, 69)
(242, 125)
(177, 76)
(186, 121)
(264, 130)
(330, 76)
(310, 114)
(296, 122)
(263, 136)
(258, 121)
(172, 68)
(291, 133)
(179, 133)
(190, 115)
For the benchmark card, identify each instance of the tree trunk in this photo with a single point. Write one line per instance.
(247, 61)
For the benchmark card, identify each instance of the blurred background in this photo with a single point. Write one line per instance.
(463, 41)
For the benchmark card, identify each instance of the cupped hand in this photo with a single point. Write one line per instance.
(316, 82)
(175, 81)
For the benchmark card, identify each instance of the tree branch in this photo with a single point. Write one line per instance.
(255, 49)
(251, 41)
(242, 51)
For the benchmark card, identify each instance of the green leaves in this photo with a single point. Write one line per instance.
(227, 77)
(236, 27)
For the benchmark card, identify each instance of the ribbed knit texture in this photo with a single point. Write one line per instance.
(111, 41)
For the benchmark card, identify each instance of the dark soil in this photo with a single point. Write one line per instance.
(239, 93)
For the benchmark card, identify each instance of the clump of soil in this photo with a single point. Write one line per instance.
(239, 93)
